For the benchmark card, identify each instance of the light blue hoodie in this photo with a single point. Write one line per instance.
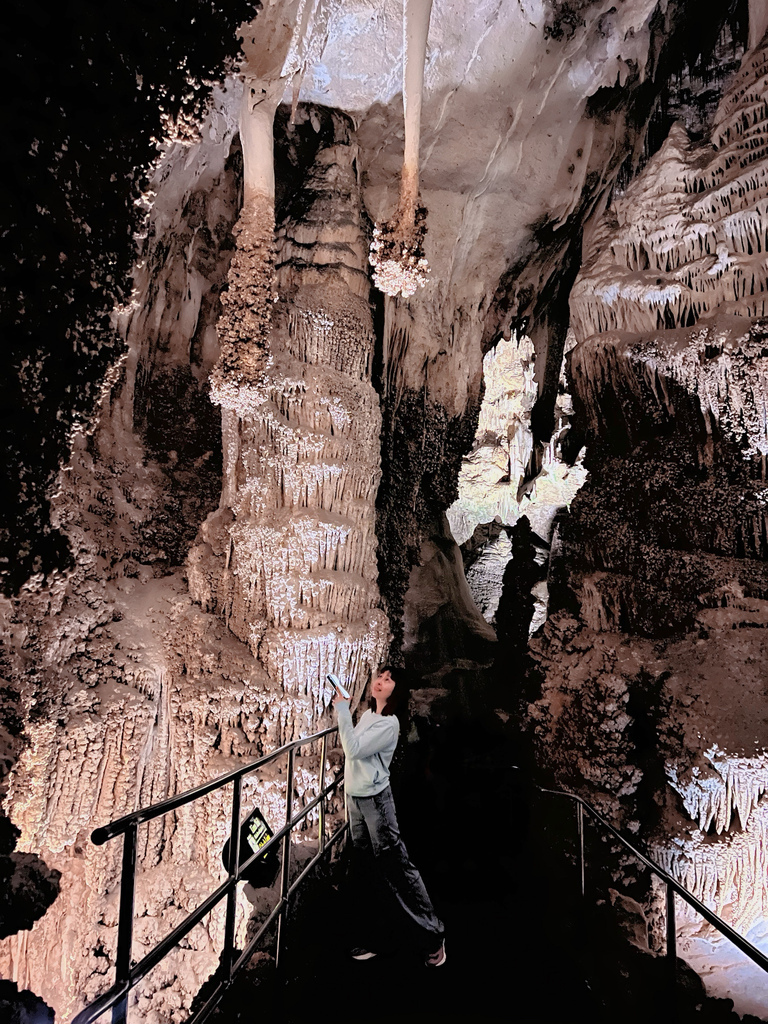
(368, 748)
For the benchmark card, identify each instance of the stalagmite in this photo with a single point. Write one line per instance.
(135, 696)
(397, 250)
(289, 557)
(493, 474)
(202, 608)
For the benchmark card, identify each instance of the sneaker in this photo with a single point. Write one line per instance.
(438, 958)
(361, 954)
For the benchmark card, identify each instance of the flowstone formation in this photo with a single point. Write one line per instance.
(653, 696)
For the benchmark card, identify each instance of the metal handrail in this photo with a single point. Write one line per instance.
(672, 886)
(127, 975)
(99, 836)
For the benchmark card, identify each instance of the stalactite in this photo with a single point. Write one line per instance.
(244, 325)
(397, 250)
(687, 237)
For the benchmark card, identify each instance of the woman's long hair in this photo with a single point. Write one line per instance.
(397, 702)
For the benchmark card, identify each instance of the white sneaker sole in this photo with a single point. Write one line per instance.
(439, 963)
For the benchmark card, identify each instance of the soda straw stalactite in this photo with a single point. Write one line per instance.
(397, 249)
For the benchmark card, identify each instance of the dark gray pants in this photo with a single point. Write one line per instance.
(375, 833)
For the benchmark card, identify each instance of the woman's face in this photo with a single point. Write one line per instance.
(382, 686)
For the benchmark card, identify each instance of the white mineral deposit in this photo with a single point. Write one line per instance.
(397, 250)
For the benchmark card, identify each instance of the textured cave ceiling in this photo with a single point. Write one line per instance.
(530, 109)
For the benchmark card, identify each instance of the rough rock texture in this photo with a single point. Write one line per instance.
(289, 557)
(689, 238)
(506, 475)
(108, 657)
(129, 689)
(82, 137)
(508, 191)
(653, 682)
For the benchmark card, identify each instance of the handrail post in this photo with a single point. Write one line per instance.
(125, 921)
(286, 866)
(321, 805)
(234, 863)
(580, 830)
(671, 939)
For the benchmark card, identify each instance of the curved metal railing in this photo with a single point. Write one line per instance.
(128, 975)
(672, 886)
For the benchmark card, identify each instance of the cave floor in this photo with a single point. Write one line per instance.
(504, 889)
(499, 861)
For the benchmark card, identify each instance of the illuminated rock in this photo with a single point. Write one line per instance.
(289, 557)
(496, 481)
(128, 689)
(688, 237)
(664, 552)
(139, 692)
(397, 250)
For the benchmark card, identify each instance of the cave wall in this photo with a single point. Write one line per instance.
(135, 681)
(652, 661)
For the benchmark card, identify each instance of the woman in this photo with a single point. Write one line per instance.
(368, 748)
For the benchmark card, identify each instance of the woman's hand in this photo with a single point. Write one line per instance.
(338, 699)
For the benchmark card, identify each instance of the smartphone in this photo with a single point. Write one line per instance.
(337, 685)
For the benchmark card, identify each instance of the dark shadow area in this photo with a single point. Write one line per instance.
(499, 861)
(22, 1007)
(27, 885)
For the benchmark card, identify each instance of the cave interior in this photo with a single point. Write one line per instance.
(346, 333)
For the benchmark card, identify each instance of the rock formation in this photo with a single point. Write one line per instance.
(506, 475)
(141, 692)
(653, 665)
(289, 557)
(223, 556)
(397, 249)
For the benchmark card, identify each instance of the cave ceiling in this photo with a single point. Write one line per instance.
(530, 110)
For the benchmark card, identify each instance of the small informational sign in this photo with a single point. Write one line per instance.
(255, 833)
